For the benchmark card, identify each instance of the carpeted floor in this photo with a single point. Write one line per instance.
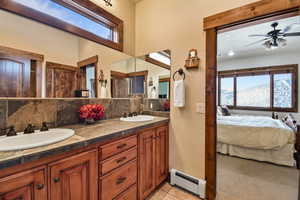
(240, 179)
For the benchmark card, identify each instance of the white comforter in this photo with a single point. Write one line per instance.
(254, 132)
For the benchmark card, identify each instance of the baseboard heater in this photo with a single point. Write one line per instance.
(189, 183)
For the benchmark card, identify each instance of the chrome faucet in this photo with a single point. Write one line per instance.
(29, 129)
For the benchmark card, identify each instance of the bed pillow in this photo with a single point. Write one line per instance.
(219, 111)
(223, 111)
(290, 121)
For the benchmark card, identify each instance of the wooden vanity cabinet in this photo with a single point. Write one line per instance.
(74, 178)
(146, 163)
(153, 159)
(128, 168)
(27, 185)
(161, 154)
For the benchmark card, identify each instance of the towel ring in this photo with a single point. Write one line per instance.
(180, 72)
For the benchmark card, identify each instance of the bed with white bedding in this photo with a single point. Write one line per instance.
(256, 137)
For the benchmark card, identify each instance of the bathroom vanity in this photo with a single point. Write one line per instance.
(110, 160)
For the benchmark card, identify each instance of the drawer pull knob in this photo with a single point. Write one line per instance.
(40, 186)
(56, 180)
(121, 159)
(121, 146)
(121, 180)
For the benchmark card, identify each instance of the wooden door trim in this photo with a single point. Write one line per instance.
(248, 13)
(21, 53)
(54, 65)
(89, 61)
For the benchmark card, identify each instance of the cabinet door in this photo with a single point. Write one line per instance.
(28, 185)
(146, 163)
(161, 155)
(75, 178)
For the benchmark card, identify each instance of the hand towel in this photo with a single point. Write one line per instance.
(179, 94)
(103, 92)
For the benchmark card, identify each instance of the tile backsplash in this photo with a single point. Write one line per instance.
(59, 112)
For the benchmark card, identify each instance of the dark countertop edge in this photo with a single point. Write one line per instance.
(69, 147)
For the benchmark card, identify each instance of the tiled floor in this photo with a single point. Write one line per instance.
(167, 192)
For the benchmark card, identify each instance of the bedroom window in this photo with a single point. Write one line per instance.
(253, 91)
(265, 88)
(82, 18)
(227, 91)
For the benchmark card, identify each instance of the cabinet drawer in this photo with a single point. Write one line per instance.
(117, 160)
(130, 194)
(118, 181)
(117, 147)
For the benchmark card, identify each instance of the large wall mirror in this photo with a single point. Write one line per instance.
(147, 76)
(61, 49)
(52, 49)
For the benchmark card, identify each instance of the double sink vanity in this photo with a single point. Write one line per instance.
(112, 159)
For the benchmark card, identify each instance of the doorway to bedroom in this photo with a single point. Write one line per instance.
(257, 109)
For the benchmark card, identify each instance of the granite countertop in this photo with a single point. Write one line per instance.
(84, 136)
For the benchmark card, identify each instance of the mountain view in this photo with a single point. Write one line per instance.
(259, 95)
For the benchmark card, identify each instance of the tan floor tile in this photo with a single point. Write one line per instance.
(158, 195)
(170, 197)
(166, 187)
(182, 195)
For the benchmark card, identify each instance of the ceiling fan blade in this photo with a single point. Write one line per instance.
(257, 42)
(288, 28)
(291, 34)
(258, 35)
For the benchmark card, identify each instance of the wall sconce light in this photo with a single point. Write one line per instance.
(108, 2)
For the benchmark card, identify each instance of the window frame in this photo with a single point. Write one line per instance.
(107, 19)
(281, 69)
(166, 53)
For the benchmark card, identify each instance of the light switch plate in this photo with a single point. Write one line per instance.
(200, 107)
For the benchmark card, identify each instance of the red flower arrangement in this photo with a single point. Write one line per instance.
(91, 111)
(167, 105)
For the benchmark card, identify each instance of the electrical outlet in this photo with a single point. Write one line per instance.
(200, 107)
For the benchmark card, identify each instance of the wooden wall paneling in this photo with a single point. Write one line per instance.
(61, 80)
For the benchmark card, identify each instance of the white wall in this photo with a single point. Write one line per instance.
(278, 57)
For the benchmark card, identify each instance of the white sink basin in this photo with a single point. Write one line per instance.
(37, 139)
(139, 118)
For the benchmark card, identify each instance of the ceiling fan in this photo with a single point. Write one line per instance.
(276, 37)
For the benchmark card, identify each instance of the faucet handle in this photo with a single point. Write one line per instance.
(44, 127)
(11, 131)
(29, 129)
(3, 131)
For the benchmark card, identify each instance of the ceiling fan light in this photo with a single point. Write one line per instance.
(282, 42)
(231, 53)
(267, 45)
